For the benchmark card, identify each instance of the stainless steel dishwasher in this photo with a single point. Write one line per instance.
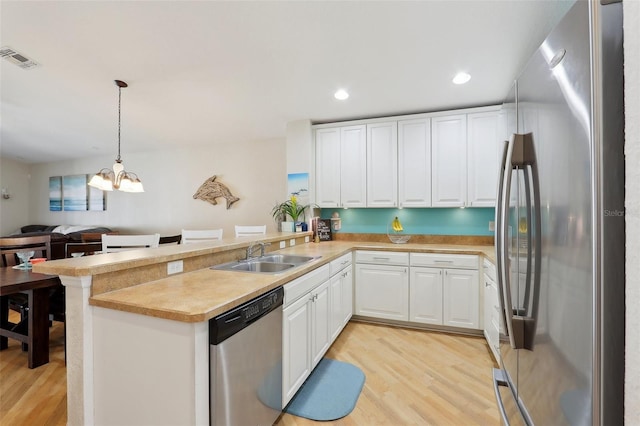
(246, 362)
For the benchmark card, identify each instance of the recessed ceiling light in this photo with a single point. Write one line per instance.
(461, 78)
(341, 95)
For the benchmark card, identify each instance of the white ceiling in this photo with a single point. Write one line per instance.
(210, 72)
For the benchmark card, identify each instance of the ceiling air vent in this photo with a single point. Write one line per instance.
(17, 58)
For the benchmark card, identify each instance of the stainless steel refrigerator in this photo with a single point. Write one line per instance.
(560, 228)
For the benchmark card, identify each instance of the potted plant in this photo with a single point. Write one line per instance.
(290, 208)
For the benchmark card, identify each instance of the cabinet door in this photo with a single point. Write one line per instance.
(425, 295)
(461, 298)
(296, 347)
(347, 294)
(382, 165)
(414, 163)
(382, 291)
(490, 326)
(335, 293)
(484, 150)
(353, 166)
(320, 337)
(449, 161)
(328, 167)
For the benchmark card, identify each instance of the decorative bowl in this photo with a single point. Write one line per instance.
(397, 237)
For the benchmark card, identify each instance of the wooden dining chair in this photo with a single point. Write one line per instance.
(9, 249)
(248, 231)
(11, 246)
(201, 235)
(116, 243)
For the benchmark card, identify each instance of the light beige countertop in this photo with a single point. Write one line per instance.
(203, 294)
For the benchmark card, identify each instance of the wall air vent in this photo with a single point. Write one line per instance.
(19, 59)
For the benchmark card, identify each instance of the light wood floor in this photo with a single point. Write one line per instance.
(37, 396)
(412, 378)
(415, 378)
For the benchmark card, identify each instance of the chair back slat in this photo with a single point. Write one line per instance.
(201, 235)
(247, 231)
(116, 243)
(10, 246)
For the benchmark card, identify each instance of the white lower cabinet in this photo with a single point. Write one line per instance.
(382, 290)
(317, 306)
(425, 295)
(491, 310)
(320, 338)
(438, 289)
(461, 298)
(341, 291)
(444, 297)
(296, 347)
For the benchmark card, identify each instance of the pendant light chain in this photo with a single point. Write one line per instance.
(119, 107)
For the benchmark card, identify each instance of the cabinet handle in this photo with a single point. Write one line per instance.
(443, 261)
(381, 258)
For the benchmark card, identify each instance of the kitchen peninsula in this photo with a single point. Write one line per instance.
(138, 335)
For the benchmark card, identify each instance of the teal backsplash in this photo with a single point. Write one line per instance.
(434, 221)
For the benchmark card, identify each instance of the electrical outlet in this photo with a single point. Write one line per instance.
(492, 225)
(174, 267)
(306, 239)
(283, 244)
(292, 242)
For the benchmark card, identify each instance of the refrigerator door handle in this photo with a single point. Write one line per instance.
(520, 325)
(503, 240)
(534, 252)
(499, 379)
(499, 232)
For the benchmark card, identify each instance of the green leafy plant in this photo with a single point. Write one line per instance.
(290, 208)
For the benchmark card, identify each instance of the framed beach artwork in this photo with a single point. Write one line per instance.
(75, 193)
(55, 193)
(71, 193)
(97, 197)
(298, 185)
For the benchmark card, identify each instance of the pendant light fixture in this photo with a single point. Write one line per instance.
(117, 177)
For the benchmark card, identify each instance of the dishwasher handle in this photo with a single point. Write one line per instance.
(226, 325)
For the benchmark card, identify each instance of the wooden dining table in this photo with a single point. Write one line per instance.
(35, 333)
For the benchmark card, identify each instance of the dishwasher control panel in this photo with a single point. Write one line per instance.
(226, 325)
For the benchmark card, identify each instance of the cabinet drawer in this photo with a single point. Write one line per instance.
(489, 269)
(305, 283)
(340, 263)
(382, 257)
(436, 260)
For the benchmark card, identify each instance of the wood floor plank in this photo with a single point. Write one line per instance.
(413, 377)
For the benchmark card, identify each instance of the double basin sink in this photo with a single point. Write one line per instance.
(267, 264)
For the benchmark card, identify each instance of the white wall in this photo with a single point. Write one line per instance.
(631, 10)
(14, 176)
(253, 171)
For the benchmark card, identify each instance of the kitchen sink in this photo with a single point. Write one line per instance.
(286, 258)
(268, 264)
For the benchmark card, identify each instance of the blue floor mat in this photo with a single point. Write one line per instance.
(330, 392)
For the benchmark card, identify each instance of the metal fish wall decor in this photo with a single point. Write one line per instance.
(210, 190)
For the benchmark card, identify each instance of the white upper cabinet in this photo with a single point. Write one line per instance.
(443, 159)
(353, 166)
(328, 167)
(382, 164)
(414, 163)
(484, 150)
(449, 160)
(341, 173)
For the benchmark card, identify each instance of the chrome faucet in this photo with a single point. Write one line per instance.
(252, 247)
